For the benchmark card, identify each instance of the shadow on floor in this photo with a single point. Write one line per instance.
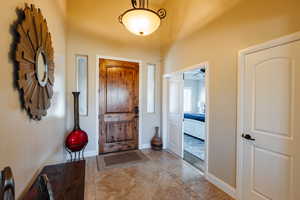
(193, 160)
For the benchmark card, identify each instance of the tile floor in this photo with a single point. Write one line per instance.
(193, 160)
(163, 177)
(194, 146)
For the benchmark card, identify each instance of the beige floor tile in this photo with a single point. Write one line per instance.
(163, 177)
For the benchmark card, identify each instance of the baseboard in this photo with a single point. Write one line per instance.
(90, 154)
(86, 155)
(144, 146)
(221, 185)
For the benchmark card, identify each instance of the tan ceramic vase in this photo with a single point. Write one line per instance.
(156, 142)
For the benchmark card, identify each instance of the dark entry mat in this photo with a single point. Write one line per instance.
(120, 159)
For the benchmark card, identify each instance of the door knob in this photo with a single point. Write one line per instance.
(136, 110)
(248, 137)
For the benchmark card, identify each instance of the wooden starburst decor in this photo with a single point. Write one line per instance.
(35, 57)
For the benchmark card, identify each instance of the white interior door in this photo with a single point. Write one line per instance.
(175, 114)
(271, 117)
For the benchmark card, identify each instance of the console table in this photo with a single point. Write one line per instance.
(67, 182)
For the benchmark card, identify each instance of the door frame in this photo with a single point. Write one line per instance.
(140, 130)
(207, 95)
(240, 106)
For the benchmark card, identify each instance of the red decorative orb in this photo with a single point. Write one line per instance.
(76, 140)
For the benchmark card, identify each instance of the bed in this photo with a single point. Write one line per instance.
(198, 117)
(194, 125)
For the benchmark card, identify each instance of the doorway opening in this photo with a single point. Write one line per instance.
(194, 114)
(173, 115)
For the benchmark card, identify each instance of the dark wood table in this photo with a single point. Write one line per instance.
(67, 182)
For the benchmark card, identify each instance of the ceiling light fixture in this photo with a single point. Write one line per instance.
(140, 20)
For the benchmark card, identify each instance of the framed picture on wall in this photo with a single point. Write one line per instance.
(81, 76)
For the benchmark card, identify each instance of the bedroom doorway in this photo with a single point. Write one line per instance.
(174, 124)
(194, 114)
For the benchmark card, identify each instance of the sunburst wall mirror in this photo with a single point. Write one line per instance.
(35, 57)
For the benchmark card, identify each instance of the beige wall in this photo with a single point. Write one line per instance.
(94, 30)
(194, 32)
(217, 38)
(26, 145)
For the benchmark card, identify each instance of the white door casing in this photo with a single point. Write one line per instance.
(175, 114)
(165, 113)
(270, 87)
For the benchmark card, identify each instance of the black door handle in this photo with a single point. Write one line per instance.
(136, 110)
(248, 137)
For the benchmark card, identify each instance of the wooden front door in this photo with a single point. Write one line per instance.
(119, 100)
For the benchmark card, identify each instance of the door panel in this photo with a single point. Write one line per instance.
(272, 96)
(263, 159)
(118, 105)
(120, 89)
(175, 114)
(270, 117)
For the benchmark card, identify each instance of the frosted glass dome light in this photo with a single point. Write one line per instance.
(142, 21)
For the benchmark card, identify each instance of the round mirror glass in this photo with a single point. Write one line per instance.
(42, 68)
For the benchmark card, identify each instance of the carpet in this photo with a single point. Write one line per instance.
(121, 159)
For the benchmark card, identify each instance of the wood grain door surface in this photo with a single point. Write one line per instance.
(119, 100)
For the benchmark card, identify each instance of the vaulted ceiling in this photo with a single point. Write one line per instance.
(158, 2)
(99, 18)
